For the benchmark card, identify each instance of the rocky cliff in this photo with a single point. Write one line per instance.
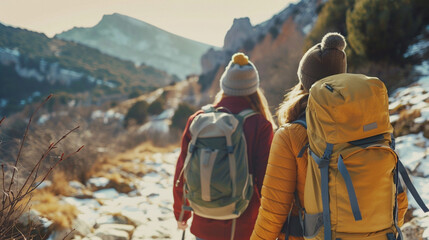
(275, 46)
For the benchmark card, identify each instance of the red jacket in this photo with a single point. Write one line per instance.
(259, 133)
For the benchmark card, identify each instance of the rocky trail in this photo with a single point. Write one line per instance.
(143, 213)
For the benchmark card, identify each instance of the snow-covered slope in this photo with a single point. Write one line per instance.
(140, 42)
(410, 106)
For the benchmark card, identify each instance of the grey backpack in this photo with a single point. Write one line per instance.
(218, 183)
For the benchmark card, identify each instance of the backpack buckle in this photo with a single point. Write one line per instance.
(390, 236)
(191, 148)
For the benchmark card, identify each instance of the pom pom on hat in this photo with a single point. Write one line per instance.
(322, 60)
(240, 59)
(240, 77)
(333, 40)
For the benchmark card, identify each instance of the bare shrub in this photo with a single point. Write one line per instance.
(17, 190)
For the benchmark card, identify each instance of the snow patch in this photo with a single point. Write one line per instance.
(109, 193)
(99, 182)
(306, 30)
(45, 184)
(155, 127)
(416, 48)
(107, 116)
(413, 150)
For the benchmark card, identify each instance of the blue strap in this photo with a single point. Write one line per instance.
(350, 189)
(393, 141)
(301, 120)
(187, 208)
(390, 236)
(411, 187)
(191, 148)
(323, 164)
(302, 151)
(320, 161)
(230, 149)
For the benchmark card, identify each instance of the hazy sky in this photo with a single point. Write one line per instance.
(202, 20)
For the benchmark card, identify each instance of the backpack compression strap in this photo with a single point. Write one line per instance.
(411, 187)
(350, 189)
(401, 170)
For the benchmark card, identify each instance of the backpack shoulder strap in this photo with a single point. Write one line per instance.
(243, 115)
(301, 120)
(208, 108)
(246, 113)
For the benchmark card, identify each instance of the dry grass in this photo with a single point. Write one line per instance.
(405, 124)
(128, 161)
(60, 185)
(49, 205)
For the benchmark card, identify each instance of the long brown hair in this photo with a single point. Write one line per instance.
(293, 106)
(257, 101)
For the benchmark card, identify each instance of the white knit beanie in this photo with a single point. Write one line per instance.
(240, 77)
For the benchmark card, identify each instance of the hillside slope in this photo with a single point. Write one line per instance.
(32, 65)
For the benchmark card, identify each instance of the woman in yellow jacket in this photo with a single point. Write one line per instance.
(285, 175)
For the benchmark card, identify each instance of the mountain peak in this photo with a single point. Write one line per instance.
(117, 19)
(135, 40)
(118, 16)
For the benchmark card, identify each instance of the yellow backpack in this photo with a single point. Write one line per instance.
(352, 176)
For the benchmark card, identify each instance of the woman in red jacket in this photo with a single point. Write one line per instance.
(239, 91)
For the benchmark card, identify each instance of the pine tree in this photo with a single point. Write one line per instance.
(381, 30)
(332, 18)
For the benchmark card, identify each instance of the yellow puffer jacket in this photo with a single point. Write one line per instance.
(285, 174)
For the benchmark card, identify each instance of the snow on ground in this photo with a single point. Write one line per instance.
(413, 149)
(413, 152)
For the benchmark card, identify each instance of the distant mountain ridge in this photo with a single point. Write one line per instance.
(131, 39)
(33, 65)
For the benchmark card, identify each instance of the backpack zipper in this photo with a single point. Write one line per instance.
(329, 87)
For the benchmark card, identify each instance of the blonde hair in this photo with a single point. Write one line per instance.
(257, 101)
(293, 105)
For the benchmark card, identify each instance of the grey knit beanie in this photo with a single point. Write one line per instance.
(240, 77)
(323, 59)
